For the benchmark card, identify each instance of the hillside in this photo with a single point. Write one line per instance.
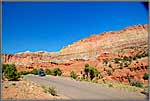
(94, 50)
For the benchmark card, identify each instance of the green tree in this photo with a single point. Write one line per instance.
(48, 72)
(40, 70)
(145, 77)
(34, 71)
(125, 58)
(73, 75)
(24, 72)
(4, 67)
(10, 72)
(136, 83)
(105, 61)
(93, 73)
(87, 65)
(57, 71)
(87, 70)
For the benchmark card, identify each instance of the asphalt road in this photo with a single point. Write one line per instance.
(85, 90)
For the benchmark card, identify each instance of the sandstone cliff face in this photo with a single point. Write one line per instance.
(88, 48)
(109, 41)
(93, 50)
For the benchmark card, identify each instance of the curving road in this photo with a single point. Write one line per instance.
(85, 90)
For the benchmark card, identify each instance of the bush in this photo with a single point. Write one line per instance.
(87, 65)
(41, 70)
(139, 56)
(110, 85)
(34, 71)
(48, 72)
(117, 60)
(4, 67)
(125, 58)
(94, 73)
(125, 64)
(73, 75)
(110, 66)
(10, 72)
(86, 70)
(50, 90)
(121, 64)
(91, 72)
(24, 72)
(130, 58)
(105, 61)
(136, 83)
(56, 71)
(109, 72)
(134, 58)
(145, 77)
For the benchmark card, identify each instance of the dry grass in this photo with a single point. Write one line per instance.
(50, 89)
(118, 85)
(24, 90)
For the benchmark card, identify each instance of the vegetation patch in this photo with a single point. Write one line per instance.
(119, 85)
(9, 72)
(73, 75)
(56, 72)
(146, 76)
(50, 89)
(136, 83)
(48, 72)
(34, 71)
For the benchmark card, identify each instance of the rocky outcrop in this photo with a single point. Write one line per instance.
(109, 41)
(92, 50)
(88, 48)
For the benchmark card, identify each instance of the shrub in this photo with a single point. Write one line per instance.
(109, 72)
(105, 61)
(134, 58)
(117, 60)
(73, 75)
(91, 72)
(125, 64)
(50, 90)
(24, 72)
(145, 77)
(125, 58)
(56, 71)
(48, 72)
(136, 83)
(81, 72)
(100, 76)
(41, 70)
(139, 56)
(110, 85)
(110, 66)
(94, 72)
(10, 72)
(130, 58)
(121, 64)
(86, 70)
(4, 67)
(34, 71)
(87, 65)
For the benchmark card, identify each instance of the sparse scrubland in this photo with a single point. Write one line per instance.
(13, 81)
(113, 59)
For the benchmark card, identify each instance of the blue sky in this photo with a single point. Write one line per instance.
(49, 26)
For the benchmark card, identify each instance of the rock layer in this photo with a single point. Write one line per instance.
(93, 50)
